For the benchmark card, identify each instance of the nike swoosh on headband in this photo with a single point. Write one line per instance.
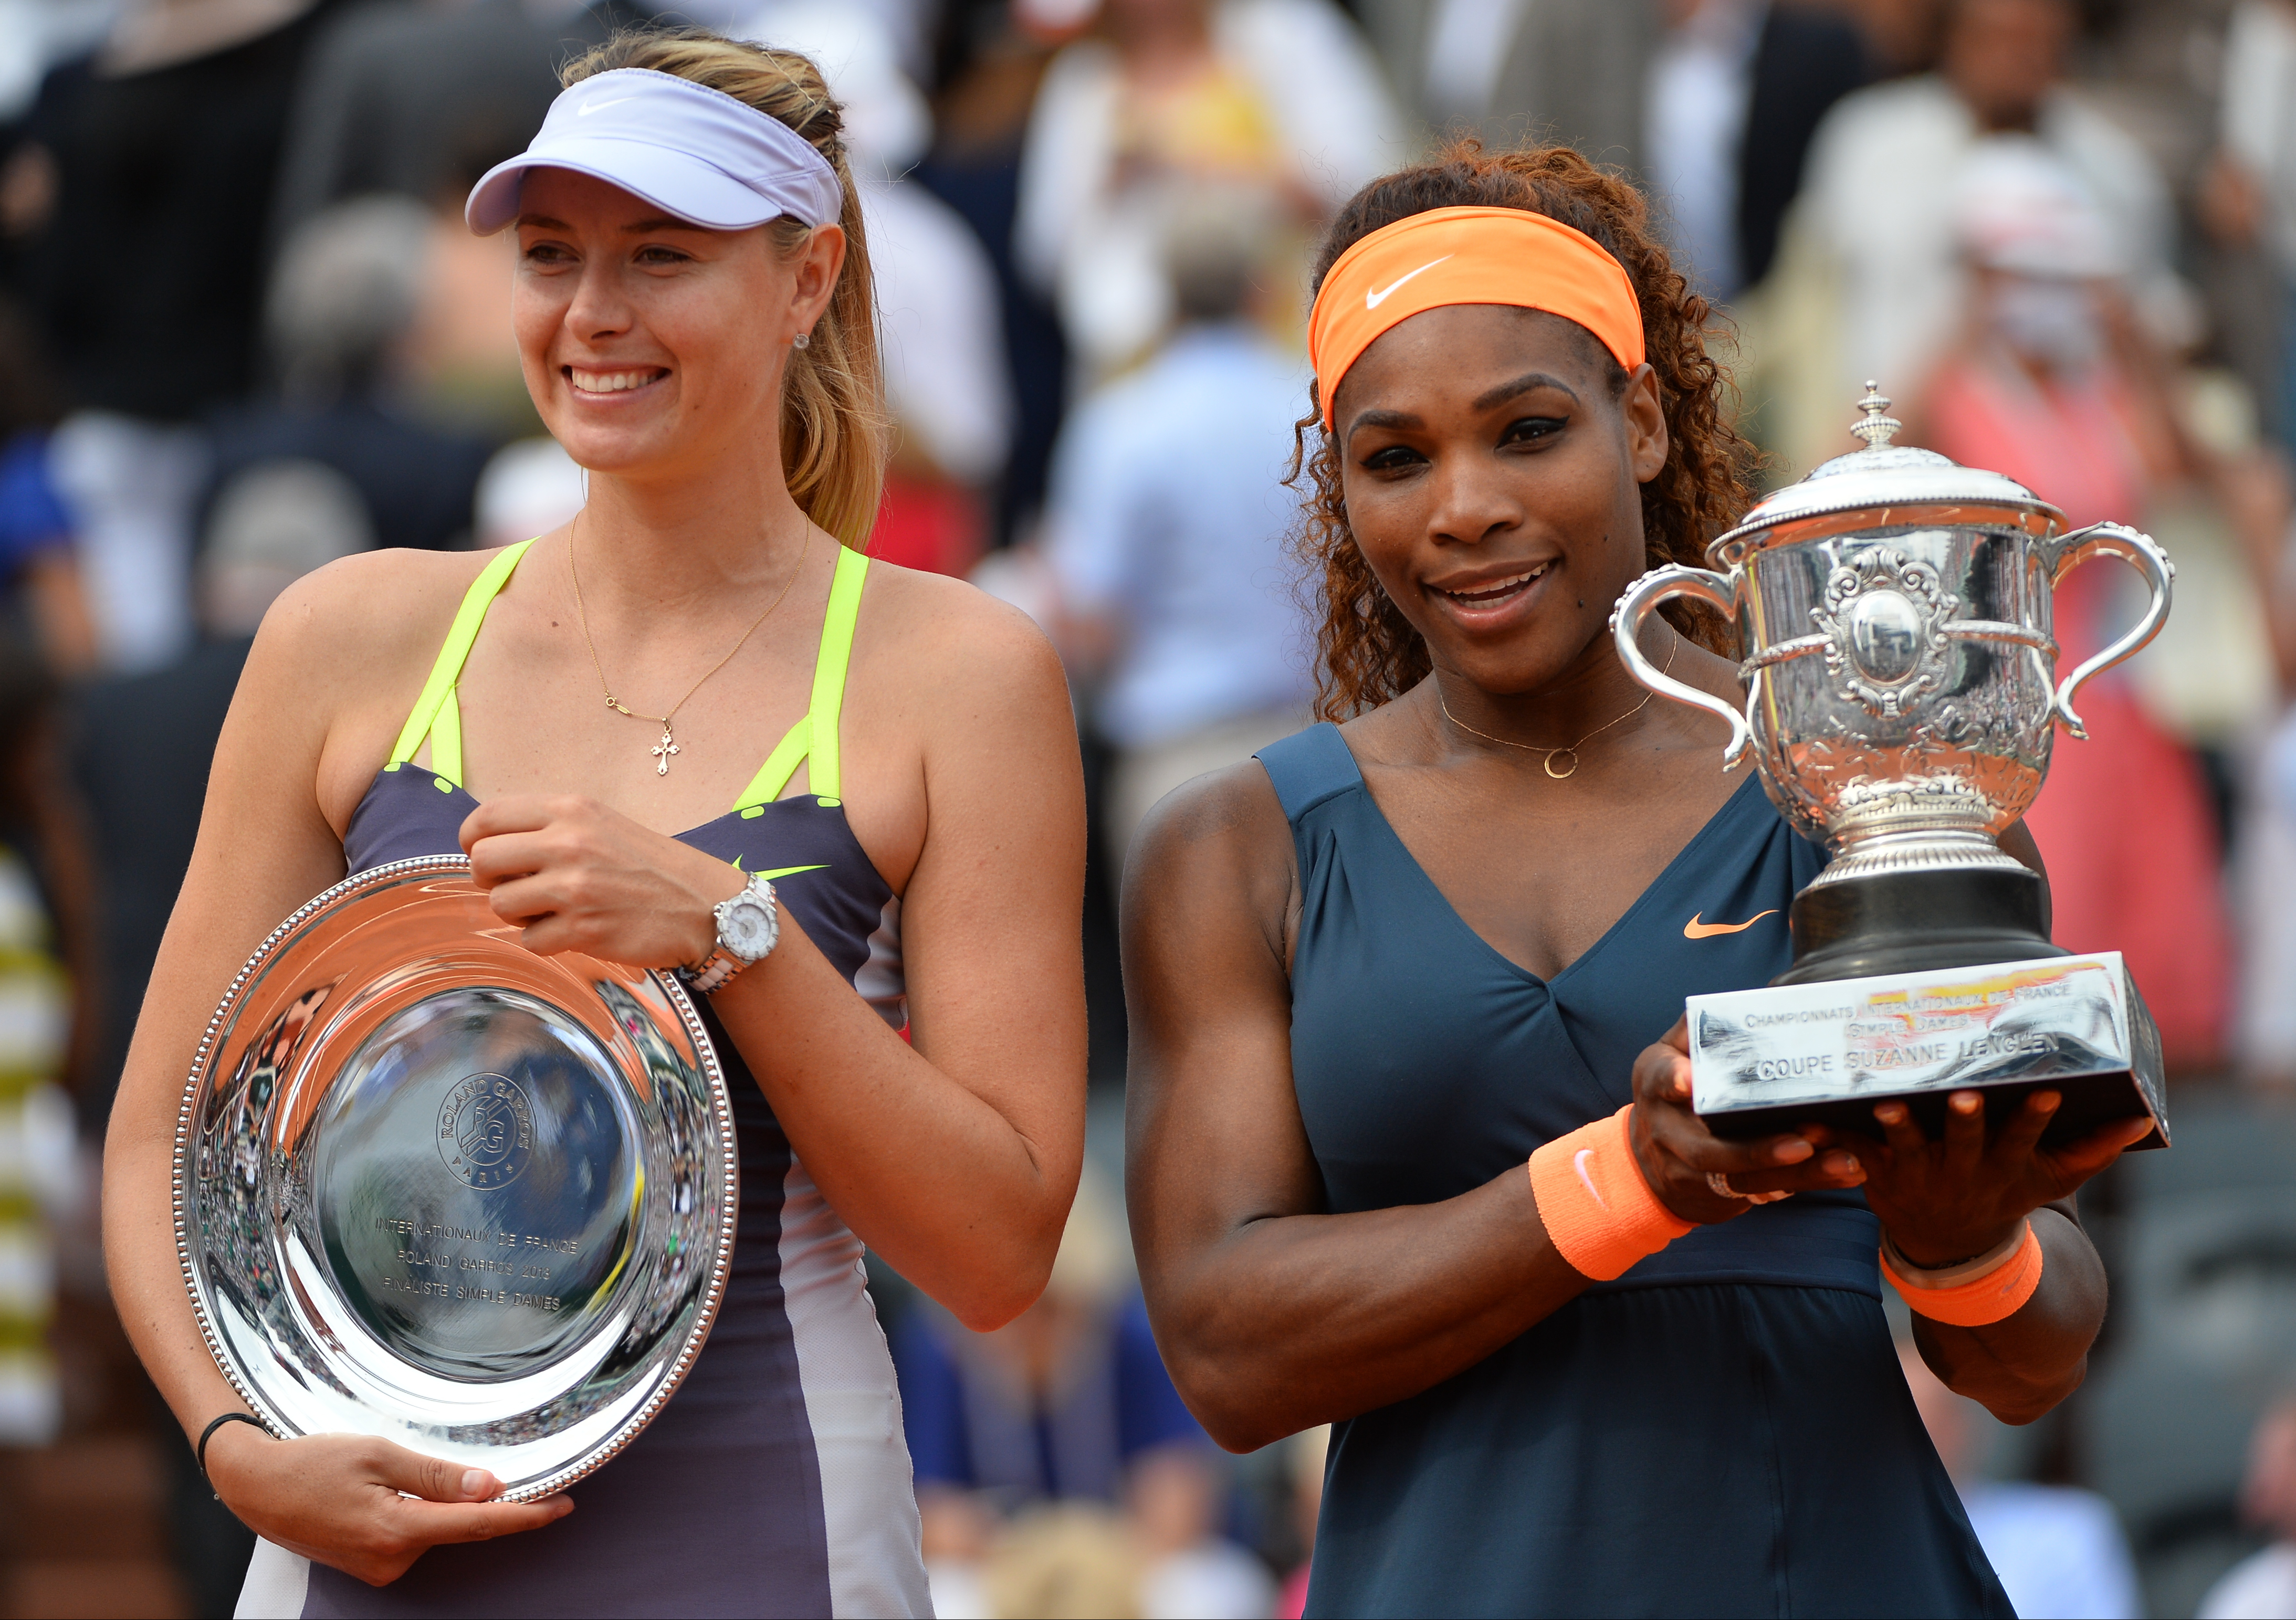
(1372, 300)
(1578, 1163)
(587, 108)
(1696, 929)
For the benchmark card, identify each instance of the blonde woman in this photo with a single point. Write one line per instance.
(586, 714)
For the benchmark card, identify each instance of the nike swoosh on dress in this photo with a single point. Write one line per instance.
(780, 872)
(1695, 929)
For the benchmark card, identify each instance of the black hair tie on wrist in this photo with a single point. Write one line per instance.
(208, 1434)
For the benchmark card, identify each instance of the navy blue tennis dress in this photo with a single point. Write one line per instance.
(1723, 1430)
(777, 1480)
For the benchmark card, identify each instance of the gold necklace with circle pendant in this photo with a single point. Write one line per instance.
(668, 746)
(1572, 769)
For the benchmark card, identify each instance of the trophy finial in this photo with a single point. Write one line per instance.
(1877, 424)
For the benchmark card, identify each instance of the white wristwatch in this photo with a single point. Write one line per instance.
(749, 926)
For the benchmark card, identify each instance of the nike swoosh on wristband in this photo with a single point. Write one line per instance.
(587, 108)
(1695, 929)
(1372, 300)
(1578, 1163)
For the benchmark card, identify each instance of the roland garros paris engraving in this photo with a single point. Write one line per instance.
(486, 1130)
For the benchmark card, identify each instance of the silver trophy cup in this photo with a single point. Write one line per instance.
(431, 1186)
(1893, 616)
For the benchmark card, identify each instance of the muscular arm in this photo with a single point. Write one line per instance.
(1273, 1314)
(2020, 1367)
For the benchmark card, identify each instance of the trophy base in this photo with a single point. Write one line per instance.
(1824, 1049)
(1911, 922)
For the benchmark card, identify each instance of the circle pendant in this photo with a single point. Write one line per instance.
(1570, 770)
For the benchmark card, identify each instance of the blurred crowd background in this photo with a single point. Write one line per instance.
(244, 333)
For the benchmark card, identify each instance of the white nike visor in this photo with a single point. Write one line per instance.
(694, 152)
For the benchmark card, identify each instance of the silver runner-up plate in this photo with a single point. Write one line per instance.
(1768, 1060)
(431, 1186)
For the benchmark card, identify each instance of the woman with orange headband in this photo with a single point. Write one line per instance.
(1411, 1148)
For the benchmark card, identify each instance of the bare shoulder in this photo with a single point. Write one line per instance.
(1217, 845)
(945, 629)
(358, 613)
(340, 658)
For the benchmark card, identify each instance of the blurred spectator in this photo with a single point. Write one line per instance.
(41, 597)
(420, 97)
(343, 297)
(1067, 1559)
(941, 330)
(37, 1159)
(1070, 1403)
(529, 488)
(1569, 70)
(1871, 280)
(1713, 101)
(2053, 384)
(1280, 94)
(1901, 36)
(2059, 1551)
(988, 64)
(2267, 1036)
(145, 271)
(2247, 196)
(463, 371)
(2263, 1587)
(145, 742)
(1736, 89)
(1166, 530)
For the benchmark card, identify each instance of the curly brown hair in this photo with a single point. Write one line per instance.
(1366, 651)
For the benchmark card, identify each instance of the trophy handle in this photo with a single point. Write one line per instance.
(2066, 553)
(1626, 624)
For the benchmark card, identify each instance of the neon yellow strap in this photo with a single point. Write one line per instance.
(447, 740)
(816, 735)
(436, 715)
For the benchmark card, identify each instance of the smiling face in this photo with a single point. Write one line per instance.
(651, 346)
(1492, 469)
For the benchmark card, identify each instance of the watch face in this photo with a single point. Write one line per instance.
(746, 928)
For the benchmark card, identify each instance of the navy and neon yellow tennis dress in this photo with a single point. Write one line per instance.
(777, 1480)
(1723, 1430)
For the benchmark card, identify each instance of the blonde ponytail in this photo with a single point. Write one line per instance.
(835, 428)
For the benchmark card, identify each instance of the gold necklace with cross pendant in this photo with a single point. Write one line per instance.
(664, 750)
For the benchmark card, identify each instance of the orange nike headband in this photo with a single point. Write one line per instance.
(1468, 256)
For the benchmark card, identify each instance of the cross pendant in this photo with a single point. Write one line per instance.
(661, 752)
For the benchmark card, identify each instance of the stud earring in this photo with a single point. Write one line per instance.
(803, 340)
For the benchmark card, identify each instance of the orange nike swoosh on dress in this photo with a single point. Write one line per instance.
(1695, 929)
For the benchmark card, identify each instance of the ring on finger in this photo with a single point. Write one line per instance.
(1721, 1184)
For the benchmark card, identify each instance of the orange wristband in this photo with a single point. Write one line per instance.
(1599, 1212)
(1996, 1292)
